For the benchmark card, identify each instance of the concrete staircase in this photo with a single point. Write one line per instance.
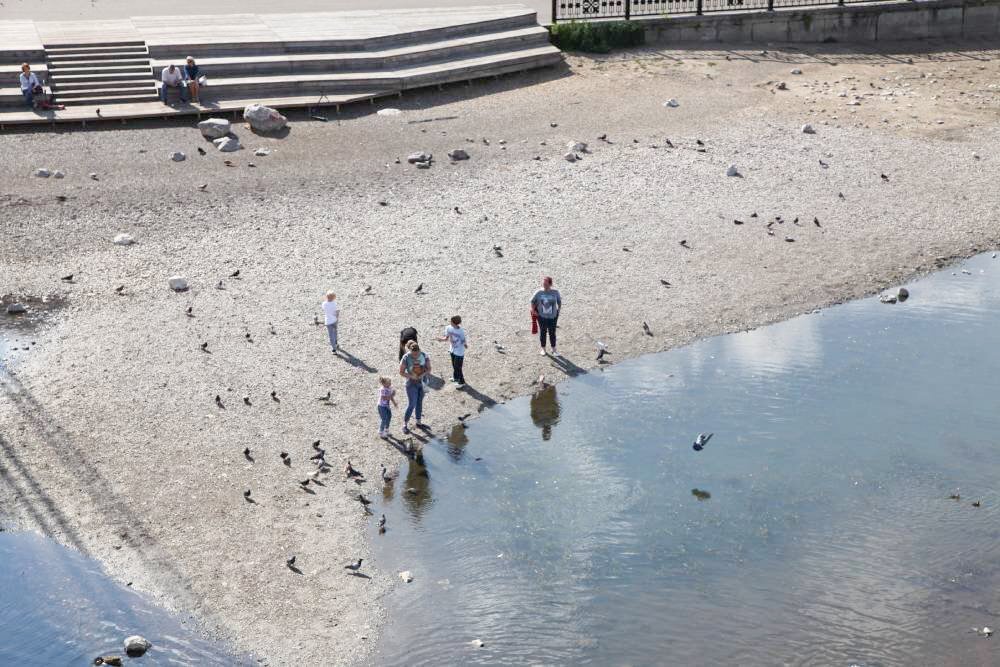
(364, 67)
(104, 73)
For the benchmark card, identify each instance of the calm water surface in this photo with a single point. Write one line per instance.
(579, 526)
(57, 607)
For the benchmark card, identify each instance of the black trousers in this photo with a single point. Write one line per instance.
(547, 325)
(456, 368)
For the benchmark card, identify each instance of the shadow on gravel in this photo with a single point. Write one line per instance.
(71, 456)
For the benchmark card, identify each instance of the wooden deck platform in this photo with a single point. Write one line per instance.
(110, 69)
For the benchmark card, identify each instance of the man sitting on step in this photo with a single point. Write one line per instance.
(172, 78)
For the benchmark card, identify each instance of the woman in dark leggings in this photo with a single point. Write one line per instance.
(546, 305)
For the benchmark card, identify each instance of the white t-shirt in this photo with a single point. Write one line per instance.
(456, 337)
(171, 79)
(331, 310)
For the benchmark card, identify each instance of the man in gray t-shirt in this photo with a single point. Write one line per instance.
(546, 305)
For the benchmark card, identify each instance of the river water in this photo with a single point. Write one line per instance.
(57, 607)
(578, 526)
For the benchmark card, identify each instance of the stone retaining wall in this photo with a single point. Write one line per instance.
(857, 23)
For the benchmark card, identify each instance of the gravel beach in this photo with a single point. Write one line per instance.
(110, 436)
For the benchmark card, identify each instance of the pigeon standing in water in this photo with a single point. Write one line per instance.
(381, 525)
(701, 441)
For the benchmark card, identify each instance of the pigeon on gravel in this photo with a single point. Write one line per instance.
(602, 350)
(235, 274)
(364, 501)
(247, 454)
(204, 346)
(354, 567)
(246, 495)
(67, 279)
(646, 329)
(190, 311)
(218, 401)
(349, 471)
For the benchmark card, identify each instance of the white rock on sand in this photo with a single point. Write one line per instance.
(177, 283)
(43, 172)
(214, 128)
(178, 156)
(264, 119)
(123, 239)
(227, 144)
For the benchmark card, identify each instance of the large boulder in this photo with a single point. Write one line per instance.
(177, 283)
(264, 119)
(136, 646)
(214, 128)
(228, 144)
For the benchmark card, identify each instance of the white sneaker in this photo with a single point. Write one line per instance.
(543, 352)
(554, 352)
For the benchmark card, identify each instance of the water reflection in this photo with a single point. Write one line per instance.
(545, 410)
(815, 528)
(457, 440)
(58, 608)
(416, 489)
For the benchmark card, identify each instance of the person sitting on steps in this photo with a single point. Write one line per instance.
(171, 77)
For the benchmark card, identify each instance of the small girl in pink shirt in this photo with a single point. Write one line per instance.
(386, 395)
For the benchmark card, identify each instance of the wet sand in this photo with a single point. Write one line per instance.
(110, 438)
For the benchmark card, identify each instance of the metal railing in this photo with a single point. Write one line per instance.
(582, 10)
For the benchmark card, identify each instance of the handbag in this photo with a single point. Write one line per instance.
(534, 321)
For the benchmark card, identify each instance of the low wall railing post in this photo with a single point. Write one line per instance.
(628, 9)
(698, 8)
(770, 5)
(554, 18)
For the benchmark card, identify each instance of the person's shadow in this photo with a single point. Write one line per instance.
(567, 366)
(484, 400)
(354, 361)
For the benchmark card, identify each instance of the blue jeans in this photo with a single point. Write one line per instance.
(331, 329)
(28, 97)
(414, 400)
(182, 88)
(385, 416)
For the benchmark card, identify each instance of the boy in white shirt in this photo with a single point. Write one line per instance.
(331, 310)
(455, 335)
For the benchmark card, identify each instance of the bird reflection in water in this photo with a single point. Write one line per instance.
(545, 409)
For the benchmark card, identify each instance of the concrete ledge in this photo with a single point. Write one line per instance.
(905, 20)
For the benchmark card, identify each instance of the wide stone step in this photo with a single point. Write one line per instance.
(177, 50)
(139, 74)
(59, 66)
(110, 99)
(249, 64)
(111, 91)
(100, 48)
(396, 79)
(97, 56)
(106, 69)
(94, 45)
(61, 87)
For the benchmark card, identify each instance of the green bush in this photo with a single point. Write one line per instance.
(597, 37)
